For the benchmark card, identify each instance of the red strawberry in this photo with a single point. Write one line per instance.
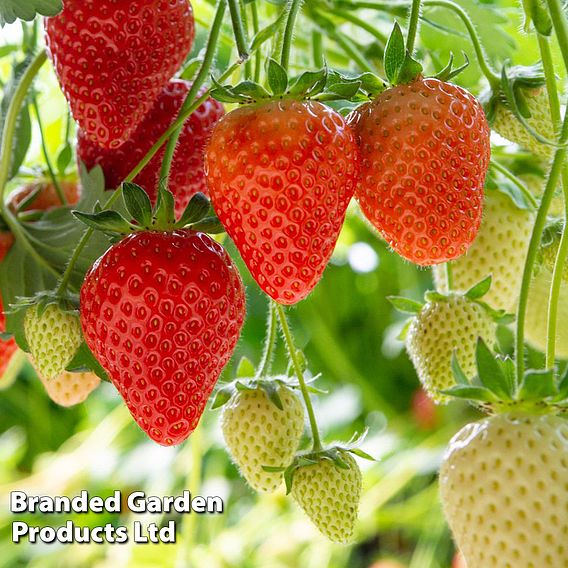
(187, 176)
(281, 175)
(46, 195)
(6, 242)
(425, 152)
(113, 58)
(162, 313)
(7, 348)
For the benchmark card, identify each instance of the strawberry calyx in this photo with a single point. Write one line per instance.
(495, 390)
(321, 85)
(474, 294)
(147, 218)
(333, 453)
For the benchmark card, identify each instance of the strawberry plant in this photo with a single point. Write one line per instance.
(174, 173)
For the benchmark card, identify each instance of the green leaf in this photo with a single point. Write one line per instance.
(164, 213)
(537, 385)
(64, 158)
(405, 305)
(491, 373)
(245, 369)
(480, 394)
(10, 10)
(210, 225)
(222, 396)
(137, 203)
(459, 375)
(277, 77)
(196, 210)
(105, 221)
(395, 52)
(480, 289)
(85, 361)
(191, 68)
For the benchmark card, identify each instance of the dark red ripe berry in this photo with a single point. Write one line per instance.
(424, 155)
(7, 348)
(162, 313)
(280, 176)
(187, 176)
(113, 58)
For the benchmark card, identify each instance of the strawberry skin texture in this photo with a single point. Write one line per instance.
(113, 58)
(187, 176)
(503, 485)
(69, 389)
(280, 176)
(424, 156)
(7, 348)
(162, 313)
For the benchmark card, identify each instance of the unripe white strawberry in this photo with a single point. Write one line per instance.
(507, 125)
(499, 250)
(258, 433)
(68, 389)
(53, 336)
(444, 326)
(503, 485)
(330, 495)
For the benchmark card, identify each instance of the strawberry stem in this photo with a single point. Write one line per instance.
(200, 78)
(239, 30)
(554, 103)
(293, 10)
(52, 175)
(413, 26)
(269, 343)
(317, 446)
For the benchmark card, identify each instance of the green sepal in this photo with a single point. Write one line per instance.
(471, 392)
(459, 375)
(222, 397)
(210, 225)
(191, 68)
(164, 216)
(434, 296)
(495, 181)
(10, 10)
(404, 331)
(85, 361)
(479, 290)
(537, 385)
(277, 77)
(491, 373)
(245, 368)
(106, 221)
(252, 91)
(405, 305)
(309, 84)
(562, 387)
(137, 203)
(399, 65)
(195, 211)
(448, 72)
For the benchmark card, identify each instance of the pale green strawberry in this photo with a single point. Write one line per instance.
(53, 337)
(499, 250)
(330, 495)
(443, 326)
(507, 125)
(504, 489)
(258, 433)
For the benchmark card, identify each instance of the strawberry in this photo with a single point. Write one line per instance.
(503, 486)
(6, 242)
(458, 561)
(507, 125)
(280, 175)
(69, 389)
(42, 196)
(330, 495)
(8, 348)
(444, 325)
(258, 433)
(162, 313)
(424, 410)
(424, 156)
(53, 336)
(499, 250)
(536, 323)
(187, 175)
(113, 58)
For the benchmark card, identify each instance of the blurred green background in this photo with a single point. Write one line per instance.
(349, 333)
